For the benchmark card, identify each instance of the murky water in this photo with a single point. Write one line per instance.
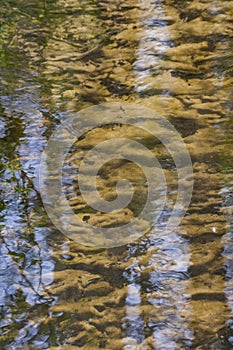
(163, 291)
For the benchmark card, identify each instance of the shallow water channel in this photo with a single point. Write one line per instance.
(162, 291)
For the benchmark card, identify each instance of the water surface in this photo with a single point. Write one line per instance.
(163, 291)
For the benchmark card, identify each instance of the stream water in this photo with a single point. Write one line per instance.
(163, 291)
